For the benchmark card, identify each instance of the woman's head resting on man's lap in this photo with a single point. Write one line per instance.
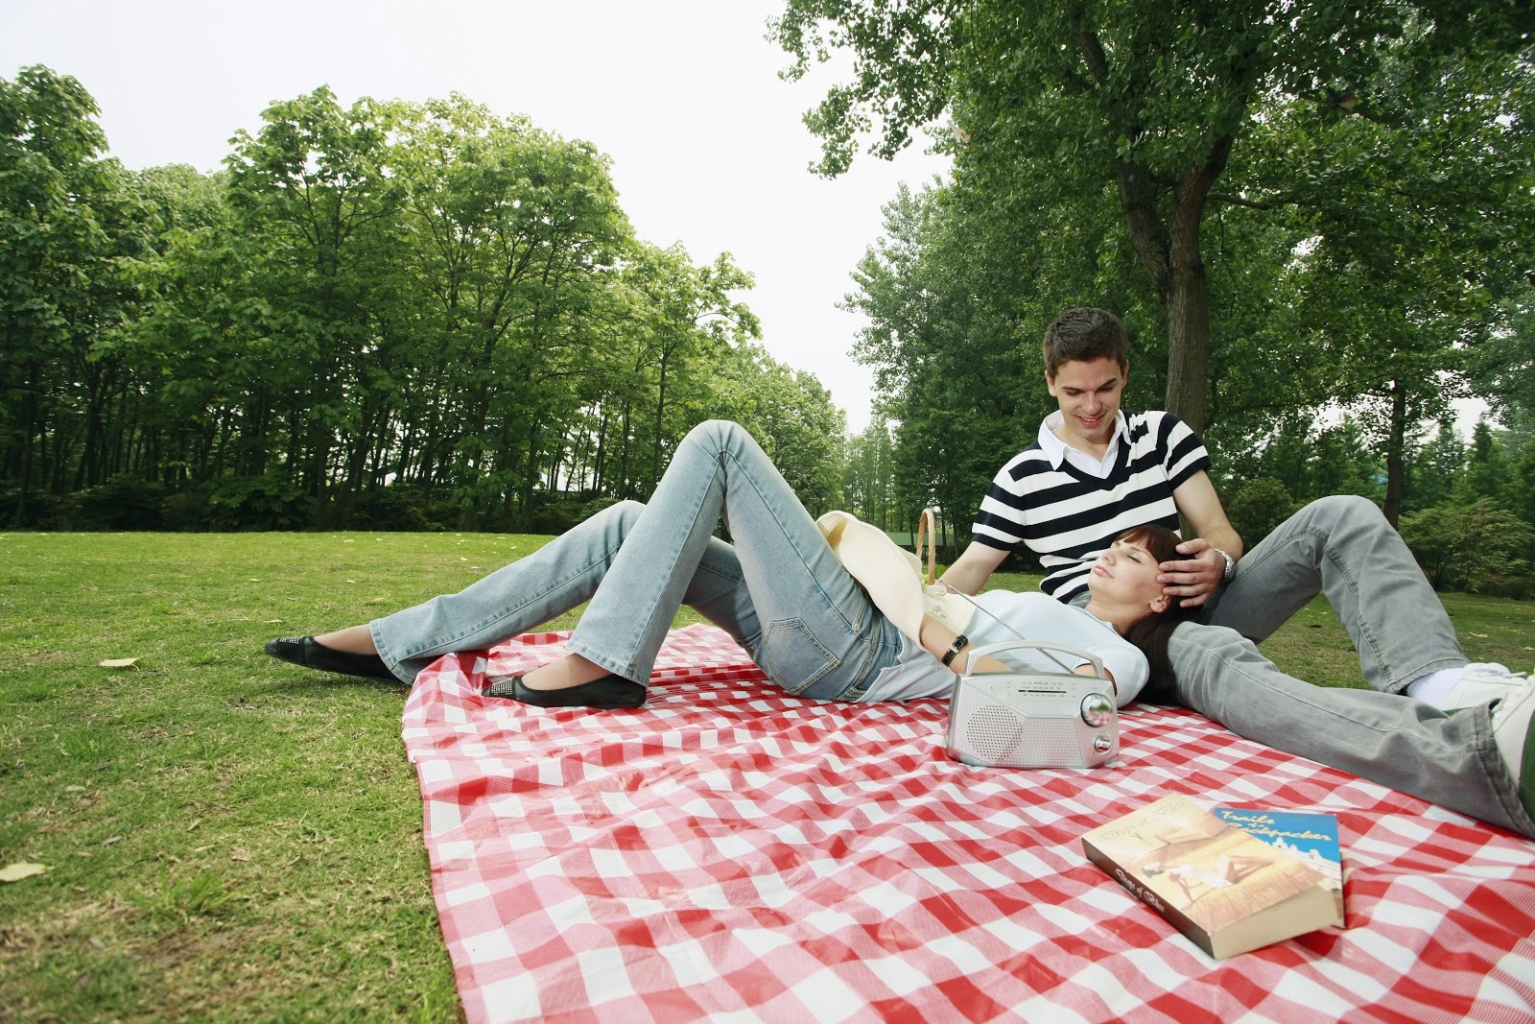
(1123, 580)
(1126, 593)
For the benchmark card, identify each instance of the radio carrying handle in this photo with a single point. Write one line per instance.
(1045, 647)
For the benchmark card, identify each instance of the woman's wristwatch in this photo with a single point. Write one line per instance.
(960, 643)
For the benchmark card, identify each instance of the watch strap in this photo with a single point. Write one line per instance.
(960, 643)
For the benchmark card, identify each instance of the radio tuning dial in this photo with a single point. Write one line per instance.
(1097, 710)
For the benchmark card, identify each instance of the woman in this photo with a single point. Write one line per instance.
(778, 590)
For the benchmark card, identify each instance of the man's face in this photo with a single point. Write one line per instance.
(1088, 394)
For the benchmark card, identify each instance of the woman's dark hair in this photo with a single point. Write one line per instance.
(1152, 633)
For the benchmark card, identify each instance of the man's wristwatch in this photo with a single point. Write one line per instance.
(1231, 565)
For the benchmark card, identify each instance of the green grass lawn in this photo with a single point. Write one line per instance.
(231, 838)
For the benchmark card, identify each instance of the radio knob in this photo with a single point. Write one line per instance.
(1097, 710)
(1102, 744)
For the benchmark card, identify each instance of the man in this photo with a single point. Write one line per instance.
(1094, 471)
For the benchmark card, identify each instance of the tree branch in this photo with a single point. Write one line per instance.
(1231, 200)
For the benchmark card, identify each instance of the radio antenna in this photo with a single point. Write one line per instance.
(977, 606)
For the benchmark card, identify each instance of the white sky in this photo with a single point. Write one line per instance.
(706, 141)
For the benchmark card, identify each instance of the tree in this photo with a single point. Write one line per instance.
(386, 314)
(1258, 507)
(868, 475)
(1149, 99)
(1502, 366)
(1391, 293)
(314, 191)
(1437, 468)
(66, 232)
(1478, 547)
(512, 233)
(1488, 473)
(791, 415)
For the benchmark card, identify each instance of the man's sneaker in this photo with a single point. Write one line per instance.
(1516, 741)
(1481, 684)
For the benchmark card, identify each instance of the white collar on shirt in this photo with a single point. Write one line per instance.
(1057, 450)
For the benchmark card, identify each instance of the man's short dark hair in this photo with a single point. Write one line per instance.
(1084, 334)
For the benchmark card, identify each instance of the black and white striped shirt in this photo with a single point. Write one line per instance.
(1068, 517)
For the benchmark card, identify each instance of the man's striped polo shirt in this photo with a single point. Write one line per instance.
(1068, 517)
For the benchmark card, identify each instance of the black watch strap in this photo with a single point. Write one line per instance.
(960, 643)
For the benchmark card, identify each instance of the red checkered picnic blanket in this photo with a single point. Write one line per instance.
(730, 853)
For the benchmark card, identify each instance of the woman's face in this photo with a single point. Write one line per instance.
(1126, 574)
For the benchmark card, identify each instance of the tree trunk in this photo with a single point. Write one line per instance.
(655, 462)
(1395, 469)
(1188, 338)
(1170, 251)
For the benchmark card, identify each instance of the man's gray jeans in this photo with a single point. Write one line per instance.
(1343, 547)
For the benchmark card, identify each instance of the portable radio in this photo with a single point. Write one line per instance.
(1030, 719)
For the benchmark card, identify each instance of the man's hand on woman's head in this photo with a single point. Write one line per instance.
(1195, 578)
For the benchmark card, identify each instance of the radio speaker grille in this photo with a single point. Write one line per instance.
(1004, 737)
(993, 732)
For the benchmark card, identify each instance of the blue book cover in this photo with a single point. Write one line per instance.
(1308, 837)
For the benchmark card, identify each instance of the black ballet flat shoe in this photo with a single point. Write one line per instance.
(305, 651)
(608, 692)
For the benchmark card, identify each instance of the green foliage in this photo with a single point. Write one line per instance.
(67, 239)
(1320, 202)
(1502, 364)
(1480, 548)
(122, 503)
(1436, 469)
(395, 315)
(258, 503)
(1257, 507)
(953, 366)
(868, 476)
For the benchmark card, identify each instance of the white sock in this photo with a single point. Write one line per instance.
(1436, 685)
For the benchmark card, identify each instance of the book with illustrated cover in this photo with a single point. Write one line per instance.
(1309, 837)
(1228, 891)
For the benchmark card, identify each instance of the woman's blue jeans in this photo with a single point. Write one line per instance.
(778, 590)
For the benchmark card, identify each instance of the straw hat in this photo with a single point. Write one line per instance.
(892, 576)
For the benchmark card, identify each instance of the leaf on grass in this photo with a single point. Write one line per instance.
(111, 839)
(273, 622)
(1480, 636)
(97, 942)
(118, 663)
(74, 789)
(240, 855)
(19, 870)
(194, 824)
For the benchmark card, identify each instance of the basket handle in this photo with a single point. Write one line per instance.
(928, 525)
